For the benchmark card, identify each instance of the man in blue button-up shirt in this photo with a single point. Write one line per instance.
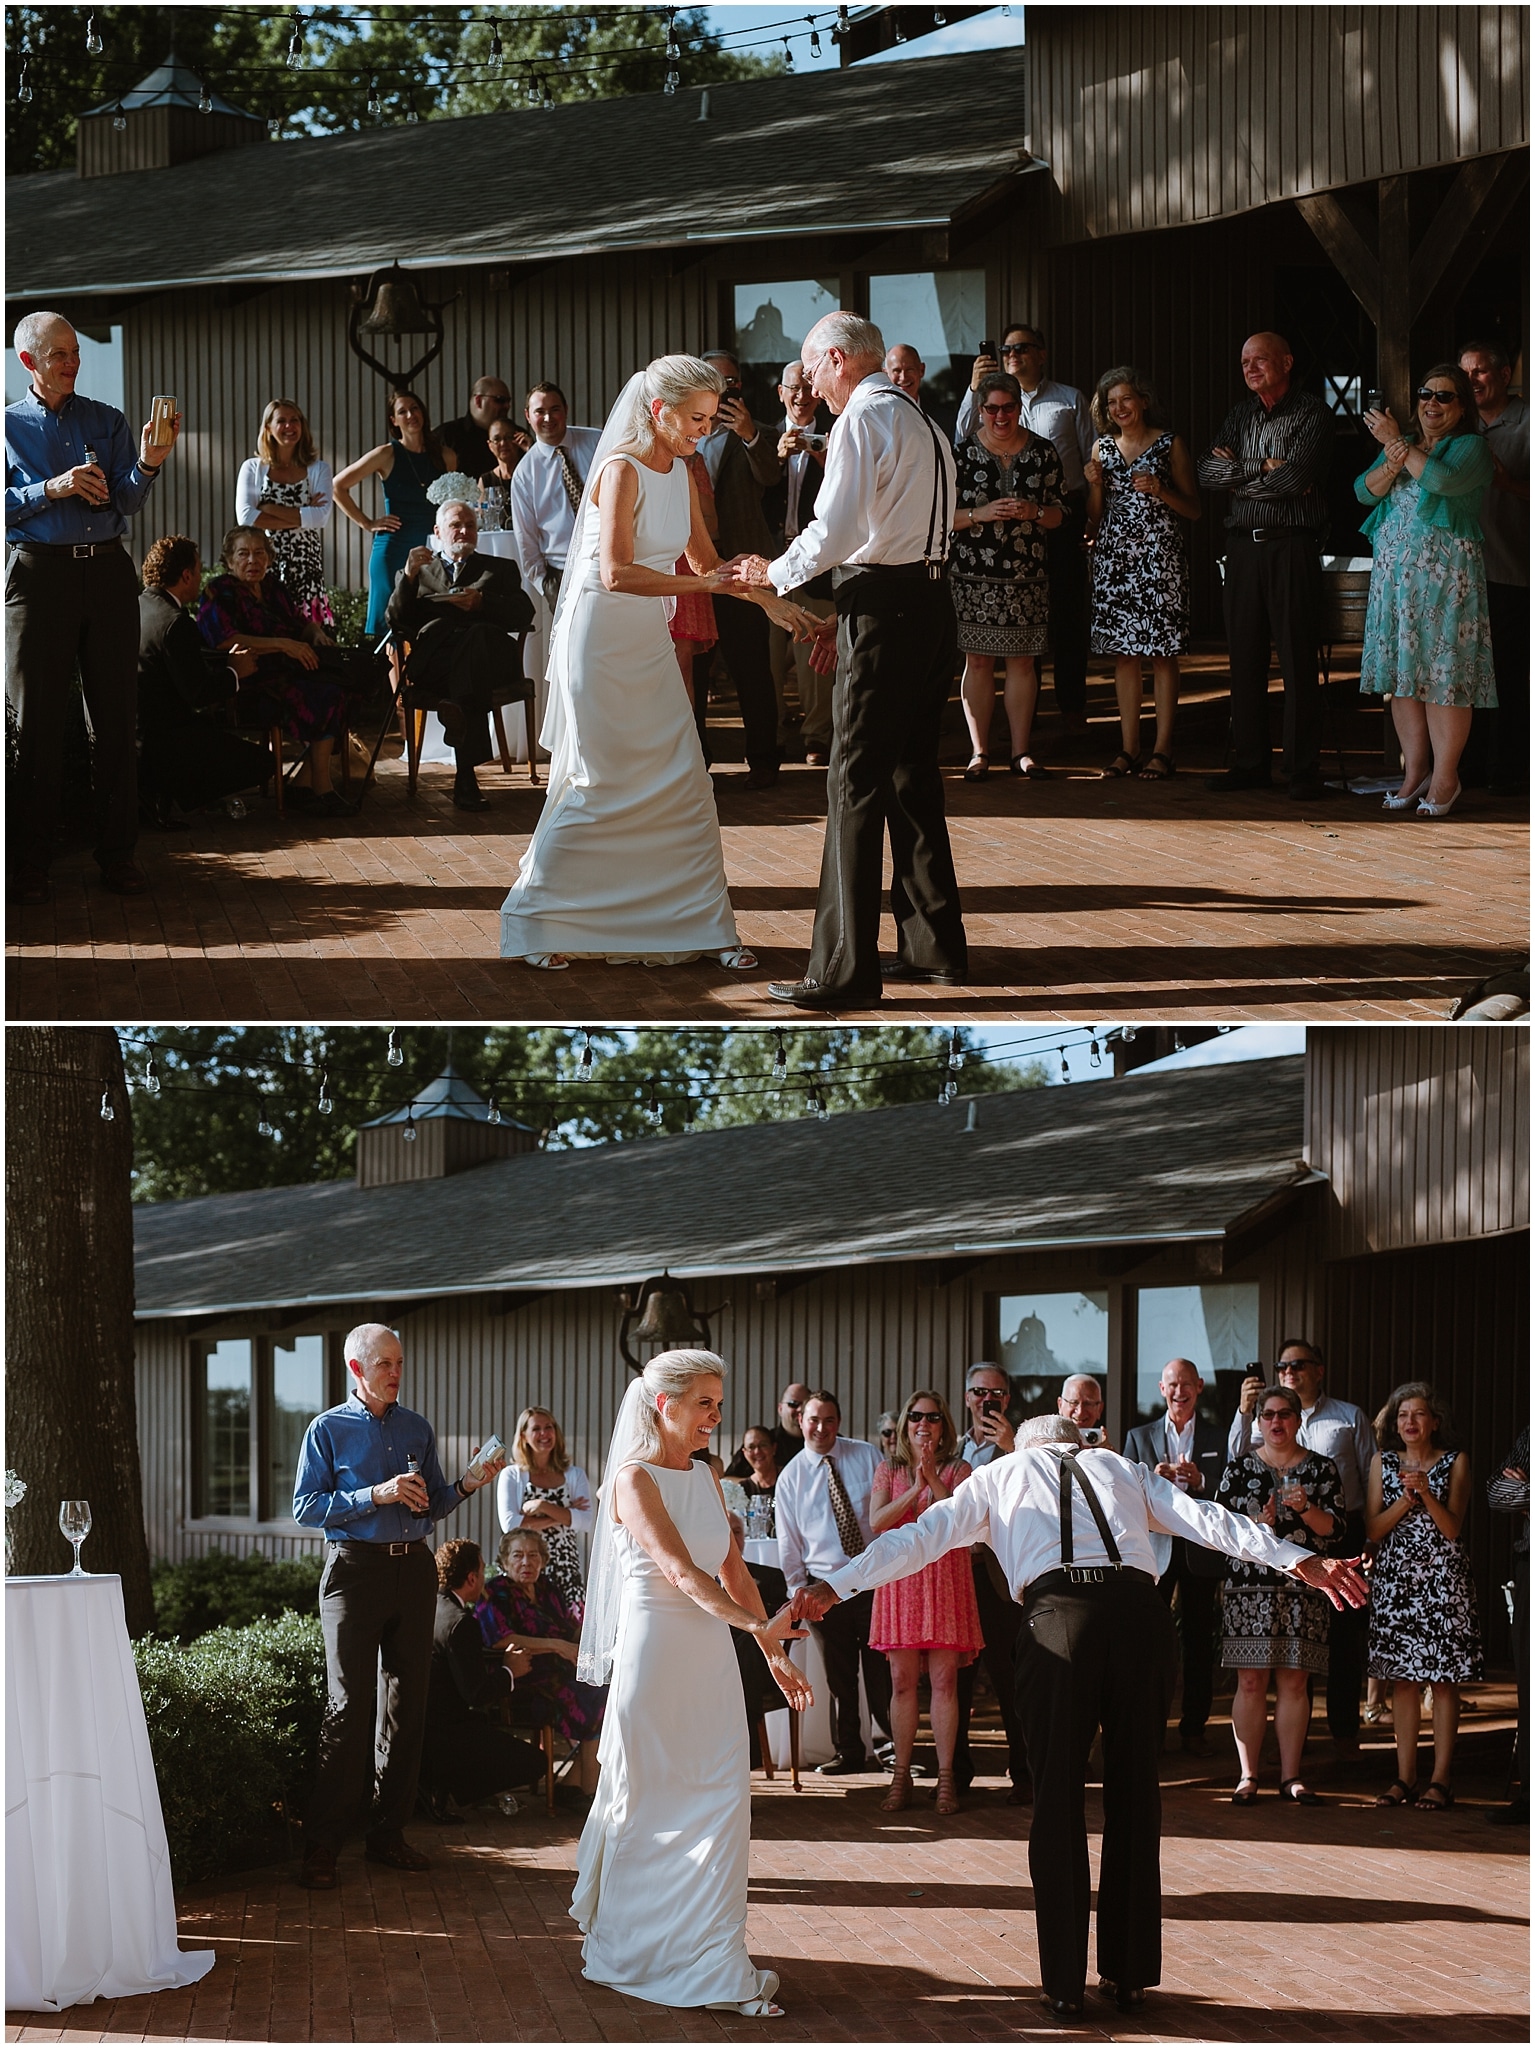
(368, 1476)
(73, 479)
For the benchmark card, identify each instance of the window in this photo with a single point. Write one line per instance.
(1216, 1327)
(252, 1400)
(1044, 1338)
(771, 320)
(942, 315)
(101, 368)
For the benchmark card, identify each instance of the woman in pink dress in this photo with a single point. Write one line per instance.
(932, 1615)
(693, 626)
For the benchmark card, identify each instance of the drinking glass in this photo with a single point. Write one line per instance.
(75, 1521)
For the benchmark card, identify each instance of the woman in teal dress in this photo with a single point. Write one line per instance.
(1427, 642)
(405, 464)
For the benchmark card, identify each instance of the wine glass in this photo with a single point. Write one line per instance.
(75, 1521)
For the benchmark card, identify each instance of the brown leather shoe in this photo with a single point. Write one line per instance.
(397, 1853)
(123, 879)
(319, 1871)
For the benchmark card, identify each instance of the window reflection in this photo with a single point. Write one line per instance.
(1045, 1338)
(1216, 1327)
(298, 1395)
(225, 1395)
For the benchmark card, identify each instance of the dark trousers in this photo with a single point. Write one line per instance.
(1001, 1619)
(1508, 736)
(743, 631)
(1274, 595)
(896, 644)
(473, 1759)
(60, 614)
(377, 1613)
(1067, 568)
(1092, 1657)
(1196, 1635)
(1348, 1646)
(463, 664)
(844, 1638)
(1519, 1776)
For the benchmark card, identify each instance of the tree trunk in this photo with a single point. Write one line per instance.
(71, 1412)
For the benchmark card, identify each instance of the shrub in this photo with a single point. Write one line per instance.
(224, 1591)
(234, 1724)
(349, 609)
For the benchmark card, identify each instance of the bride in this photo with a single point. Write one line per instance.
(661, 1871)
(625, 863)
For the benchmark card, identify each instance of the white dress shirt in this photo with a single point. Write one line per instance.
(1180, 1442)
(876, 502)
(1059, 413)
(1334, 1429)
(1014, 1504)
(543, 518)
(809, 1545)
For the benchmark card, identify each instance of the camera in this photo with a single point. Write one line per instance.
(812, 440)
(1091, 1436)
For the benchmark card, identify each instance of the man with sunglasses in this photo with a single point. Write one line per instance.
(1059, 413)
(1340, 1431)
(469, 435)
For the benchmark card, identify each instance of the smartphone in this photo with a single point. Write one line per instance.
(989, 348)
(486, 1456)
(1375, 401)
(162, 414)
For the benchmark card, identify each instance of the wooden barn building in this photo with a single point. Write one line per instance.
(1371, 1196)
(1150, 184)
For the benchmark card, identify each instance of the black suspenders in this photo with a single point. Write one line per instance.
(934, 553)
(1084, 1574)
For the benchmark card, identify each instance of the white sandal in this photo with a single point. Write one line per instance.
(740, 960)
(554, 962)
(761, 2007)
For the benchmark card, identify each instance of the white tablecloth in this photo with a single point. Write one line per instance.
(89, 1910)
(815, 1743)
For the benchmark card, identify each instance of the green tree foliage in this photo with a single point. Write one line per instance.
(201, 1133)
(358, 67)
(220, 1590)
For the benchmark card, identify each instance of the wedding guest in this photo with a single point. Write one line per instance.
(285, 491)
(1081, 1401)
(466, 1757)
(789, 507)
(928, 1621)
(1273, 1628)
(506, 452)
(759, 1450)
(1508, 1493)
(522, 1609)
(884, 1436)
(694, 627)
(1505, 522)
(1186, 1450)
(186, 691)
(466, 440)
(906, 369)
(1009, 498)
(822, 1514)
(247, 607)
(541, 1489)
(743, 463)
(73, 480)
(788, 1437)
(1271, 454)
(1140, 491)
(405, 463)
(1058, 413)
(1423, 1626)
(988, 1436)
(459, 610)
(546, 490)
(1427, 642)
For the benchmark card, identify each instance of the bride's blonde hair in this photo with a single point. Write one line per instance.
(673, 380)
(671, 1372)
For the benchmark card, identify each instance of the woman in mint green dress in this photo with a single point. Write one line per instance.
(1427, 643)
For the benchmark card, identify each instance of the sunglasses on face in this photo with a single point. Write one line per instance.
(1277, 1415)
(919, 1417)
(1429, 396)
(999, 412)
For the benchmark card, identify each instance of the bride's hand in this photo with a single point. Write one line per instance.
(791, 1682)
(784, 614)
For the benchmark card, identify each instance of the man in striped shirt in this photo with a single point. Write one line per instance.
(1272, 454)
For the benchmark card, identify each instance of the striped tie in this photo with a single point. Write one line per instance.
(851, 1535)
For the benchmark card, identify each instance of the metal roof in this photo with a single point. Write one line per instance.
(874, 149)
(171, 84)
(1153, 1159)
(449, 1096)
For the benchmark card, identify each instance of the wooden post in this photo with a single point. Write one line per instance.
(1394, 329)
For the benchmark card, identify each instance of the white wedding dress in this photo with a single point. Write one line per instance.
(661, 1871)
(625, 863)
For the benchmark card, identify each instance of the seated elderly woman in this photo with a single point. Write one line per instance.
(295, 685)
(522, 1609)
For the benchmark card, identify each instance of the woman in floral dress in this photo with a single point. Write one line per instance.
(930, 1617)
(1141, 489)
(1270, 1622)
(1008, 496)
(524, 1608)
(286, 492)
(1423, 1627)
(1427, 640)
(541, 1489)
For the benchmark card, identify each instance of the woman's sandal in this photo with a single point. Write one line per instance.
(1123, 764)
(979, 769)
(554, 962)
(740, 960)
(1152, 773)
(761, 2007)
(1429, 1803)
(898, 1798)
(1398, 1793)
(1030, 770)
(1246, 1793)
(946, 1799)
(1297, 1797)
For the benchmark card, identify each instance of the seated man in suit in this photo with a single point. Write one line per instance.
(789, 508)
(467, 1756)
(458, 609)
(186, 692)
(1191, 1452)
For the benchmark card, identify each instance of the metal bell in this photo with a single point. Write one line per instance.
(397, 307)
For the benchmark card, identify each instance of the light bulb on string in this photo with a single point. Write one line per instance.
(1127, 1034)
(940, 19)
(815, 36)
(788, 59)
(531, 95)
(108, 1113)
(956, 1051)
(274, 125)
(689, 1114)
(493, 1113)
(1094, 1056)
(949, 1090)
(1177, 1041)
(410, 108)
(204, 99)
(653, 1110)
(673, 79)
(839, 33)
(326, 1102)
(816, 1104)
(151, 1077)
(119, 118)
(409, 1132)
(23, 89)
(588, 1058)
(1065, 1063)
(780, 1058)
(673, 48)
(497, 53)
(375, 104)
(92, 37)
(547, 102)
(1221, 1030)
(900, 33)
(394, 1057)
(296, 44)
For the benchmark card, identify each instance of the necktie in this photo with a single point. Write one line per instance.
(571, 481)
(848, 1531)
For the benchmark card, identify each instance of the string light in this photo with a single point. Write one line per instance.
(92, 37)
(840, 33)
(531, 95)
(326, 1103)
(23, 89)
(547, 102)
(108, 1113)
(204, 99)
(274, 126)
(493, 1113)
(296, 45)
(900, 33)
(410, 108)
(956, 1051)
(949, 1090)
(687, 1115)
(394, 1057)
(815, 1104)
(1177, 1041)
(375, 104)
(673, 50)
(653, 1110)
(780, 1058)
(1094, 1057)
(1127, 1034)
(151, 1077)
(264, 1125)
(788, 59)
(588, 1059)
(673, 79)
(940, 19)
(1065, 1063)
(409, 1132)
(497, 53)
(815, 36)
(119, 118)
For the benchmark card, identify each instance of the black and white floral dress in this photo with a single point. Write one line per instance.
(1422, 1603)
(1269, 1619)
(1140, 559)
(998, 570)
(298, 554)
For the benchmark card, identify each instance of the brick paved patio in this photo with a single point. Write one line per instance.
(1338, 1923)
(1084, 898)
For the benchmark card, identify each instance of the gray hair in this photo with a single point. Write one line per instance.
(1082, 1379)
(462, 504)
(671, 1372)
(32, 328)
(985, 1365)
(673, 380)
(1046, 1429)
(846, 331)
(363, 1342)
